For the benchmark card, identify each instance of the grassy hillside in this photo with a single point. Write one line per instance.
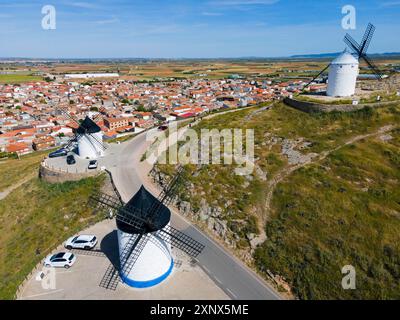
(35, 218)
(343, 211)
(244, 203)
(12, 170)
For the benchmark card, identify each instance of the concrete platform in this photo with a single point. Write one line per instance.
(82, 280)
(81, 165)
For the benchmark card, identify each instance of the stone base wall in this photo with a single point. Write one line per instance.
(311, 107)
(58, 176)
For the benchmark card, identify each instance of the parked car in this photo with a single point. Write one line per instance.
(92, 164)
(58, 153)
(162, 128)
(71, 159)
(60, 260)
(86, 242)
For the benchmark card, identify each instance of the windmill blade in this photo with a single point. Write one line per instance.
(76, 137)
(66, 113)
(129, 215)
(97, 117)
(366, 41)
(181, 241)
(132, 252)
(100, 200)
(316, 77)
(352, 44)
(166, 194)
(111, 278)
(98, 142)
(373, 67)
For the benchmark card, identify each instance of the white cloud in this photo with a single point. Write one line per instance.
(107, 21)
(243, 2)
(84, 5)
(390, 4)
(212, 14)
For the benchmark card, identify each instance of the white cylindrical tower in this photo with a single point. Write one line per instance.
(89, 146)
(343, 75)
(145, 257)
(153, 263)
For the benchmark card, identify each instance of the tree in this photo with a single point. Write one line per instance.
(141, 108)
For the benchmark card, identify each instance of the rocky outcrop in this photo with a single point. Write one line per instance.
(291, 149)
(210, 215)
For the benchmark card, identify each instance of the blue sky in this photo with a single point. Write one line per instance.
(191, 28)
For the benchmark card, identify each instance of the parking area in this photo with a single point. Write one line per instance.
(81, 164)
(88, 278)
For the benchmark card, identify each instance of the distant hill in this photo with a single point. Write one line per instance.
(335, 54)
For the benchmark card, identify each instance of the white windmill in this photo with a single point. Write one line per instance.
(88, 137)
(145, 237)
(344, 70)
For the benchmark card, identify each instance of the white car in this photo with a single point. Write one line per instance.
(92, 164)
(86, 242)
(60, 260)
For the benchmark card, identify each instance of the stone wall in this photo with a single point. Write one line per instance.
(59, 176)
(311, 107)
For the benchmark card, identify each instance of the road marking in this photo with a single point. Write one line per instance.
(231, 293)
(42, 294)
(61, 272)
(216, 279)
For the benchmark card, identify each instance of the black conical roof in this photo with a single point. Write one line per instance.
(145, 202)
(88, 126)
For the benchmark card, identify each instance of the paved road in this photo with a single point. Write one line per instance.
(238, 281)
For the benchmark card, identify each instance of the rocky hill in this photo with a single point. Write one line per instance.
(272, 218)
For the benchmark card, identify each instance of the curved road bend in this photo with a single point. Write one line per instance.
(236, 279)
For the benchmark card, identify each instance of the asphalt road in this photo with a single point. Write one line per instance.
(236, 279)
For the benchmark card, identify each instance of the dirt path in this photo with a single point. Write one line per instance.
(6, 192)
(287, 171)
(255, 112)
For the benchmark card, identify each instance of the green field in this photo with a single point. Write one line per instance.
(36, 218)
(18, 78)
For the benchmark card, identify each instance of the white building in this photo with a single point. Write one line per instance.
(90, 142)
(343, 75)
(89, 146)
(153, 265)
(150, 262)
(90, 75)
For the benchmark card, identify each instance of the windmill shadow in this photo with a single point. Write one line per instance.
(109, 246)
